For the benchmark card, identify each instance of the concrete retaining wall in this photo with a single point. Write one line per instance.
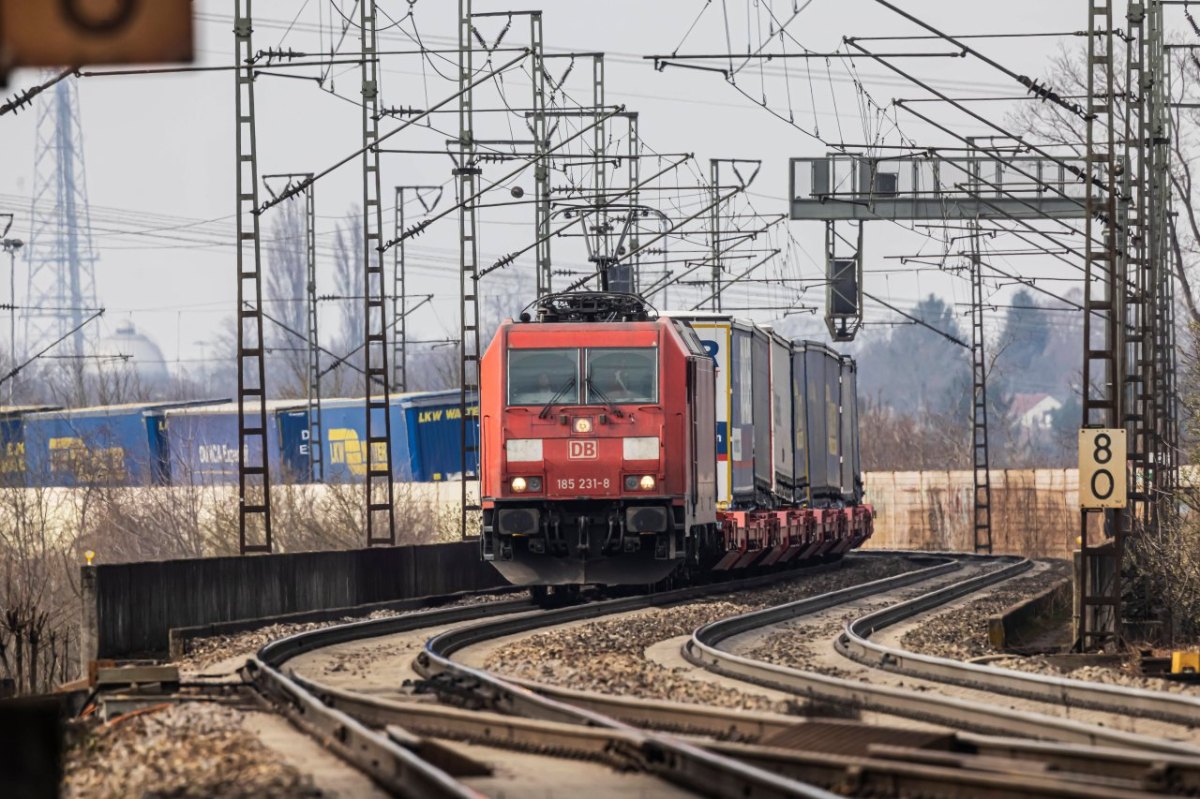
(1016, 624)
(1035, 512)
(128, 608)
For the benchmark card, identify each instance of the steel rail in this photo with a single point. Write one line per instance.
(702, 649)
(398, 768)
(1159, 771)
(383, 756)
(879, 772)
(896, 771)
(677, 717)
(410, 765)
(672, 758)
(615, 747)
(855, 644)
(276, 653)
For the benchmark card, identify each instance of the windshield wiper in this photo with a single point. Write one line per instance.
(557, 394)
(604, 398)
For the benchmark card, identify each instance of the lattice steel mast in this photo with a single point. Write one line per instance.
(1103, 327)
(1162, 213)
(381, 520)
(254, 479)
(1158, 214)
(316, 428)
(980, 460)
(541, 145)
(714, 227)
(467, 172)
(634, 169)
(62, 284)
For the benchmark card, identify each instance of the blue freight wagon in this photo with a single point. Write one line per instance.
(434, 426)
(294, 446)
(343, 425)
(425, 437)
(12, 440)
(115, 445)
(202, 443)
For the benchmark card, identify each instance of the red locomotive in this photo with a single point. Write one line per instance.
(599, 463)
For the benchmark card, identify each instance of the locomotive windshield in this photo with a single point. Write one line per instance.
(615, 375)
(536, 377)
(622, 375)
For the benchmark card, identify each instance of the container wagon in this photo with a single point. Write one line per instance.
(12, 440)
(116, 445)
(425, 445)
(201, 443)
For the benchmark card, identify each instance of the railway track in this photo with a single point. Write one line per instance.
(366, 730)
(855, 644)
(403, 743)
(705, 649)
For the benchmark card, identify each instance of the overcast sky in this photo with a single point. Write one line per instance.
(160, 149)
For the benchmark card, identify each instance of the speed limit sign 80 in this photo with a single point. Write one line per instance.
(1102, 468)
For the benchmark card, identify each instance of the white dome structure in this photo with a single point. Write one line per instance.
(129, 355)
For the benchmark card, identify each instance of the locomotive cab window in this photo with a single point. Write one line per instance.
(537, 377)
(620, 376)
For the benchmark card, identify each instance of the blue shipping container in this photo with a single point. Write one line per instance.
(12, 440)
(344, 427)
(202, 443)
(111, 445)
(435, 431)
(295, 450)
(425, 437)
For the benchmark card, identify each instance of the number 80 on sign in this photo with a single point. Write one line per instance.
(1102, 468)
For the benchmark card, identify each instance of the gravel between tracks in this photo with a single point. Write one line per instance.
(961, 632)
(205, 652)
(615, 661)
(194, 749)
(1123, 676)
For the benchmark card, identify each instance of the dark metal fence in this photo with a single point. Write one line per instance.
(129, 608)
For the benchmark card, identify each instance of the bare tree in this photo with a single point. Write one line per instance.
(287, 281)
(1051, 124)
(348, 289)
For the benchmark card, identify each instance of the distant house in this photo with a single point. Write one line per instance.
(1034, 412)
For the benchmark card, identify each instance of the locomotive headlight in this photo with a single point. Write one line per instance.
(519, 485)
(583, 425)
(647, 483)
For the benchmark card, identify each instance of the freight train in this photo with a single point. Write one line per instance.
(195, 443)
(620, 446)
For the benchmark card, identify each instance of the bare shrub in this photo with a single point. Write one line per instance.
(39, 592)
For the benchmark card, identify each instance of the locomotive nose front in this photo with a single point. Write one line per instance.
(582, 492)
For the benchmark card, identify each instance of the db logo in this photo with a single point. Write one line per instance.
(581, 450)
